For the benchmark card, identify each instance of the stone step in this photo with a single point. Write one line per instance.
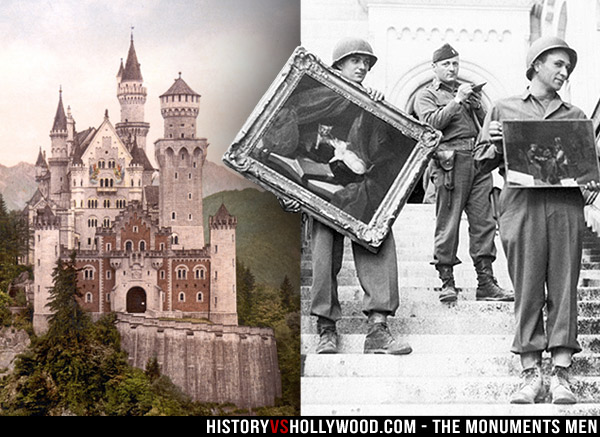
(432, 308)
(445, 344)
(496, 323)
(358, 408)
(430, 294)
(419, 364)
(429, 389)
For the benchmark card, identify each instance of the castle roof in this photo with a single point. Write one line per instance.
(60, 119)
(132, 71)
(180, 88)
(222, 217)
(41, 160)
(140, 157)
(81, 141)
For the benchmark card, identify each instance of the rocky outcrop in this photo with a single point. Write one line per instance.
(12, 343)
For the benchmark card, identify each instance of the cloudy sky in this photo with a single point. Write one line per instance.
(229, 51)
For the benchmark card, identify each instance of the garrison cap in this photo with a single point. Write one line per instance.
(444, 52)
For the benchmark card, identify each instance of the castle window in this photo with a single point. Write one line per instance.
(108, 247)
(162, 246)
(128, 245)
(107, 203)
(92, 203)
(216, 248)
(88, 298)
(182, 136)
(181, 297)
(106, 222)
(189, 216)
(176, 175)
(92, 223)
(162, 274)
(175, 239)
(108, 274)
(142, 246)
(189, 196)
(199, 272)
(108, 297)
(135, 229)
(189, 175)
(182, 272)
(88, 273)
(194, 165)
(173, 215)
(199, 297)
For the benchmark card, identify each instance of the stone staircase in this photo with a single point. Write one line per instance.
(461, 362)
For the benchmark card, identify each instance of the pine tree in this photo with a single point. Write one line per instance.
(68, 324)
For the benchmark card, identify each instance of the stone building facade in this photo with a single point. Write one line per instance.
(140, 245)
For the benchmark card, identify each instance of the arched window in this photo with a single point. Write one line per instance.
(174, 239)
(199, 297)
(142, 246)
(182, 297)
(106, 222)
(181, 272)
(88, 297)
(128, 245)
(88, 273)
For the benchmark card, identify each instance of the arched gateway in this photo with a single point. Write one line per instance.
(136, 300)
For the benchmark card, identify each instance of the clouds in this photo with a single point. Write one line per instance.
(228, 51)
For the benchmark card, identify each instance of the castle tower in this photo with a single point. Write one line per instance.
(42, 174)
(45, 254)
(223, 305)
(180, 156)
(132, 97)
(59, 156)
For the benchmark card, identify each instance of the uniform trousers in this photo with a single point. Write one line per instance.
(377, 274)
(471, 193)
(541, 230)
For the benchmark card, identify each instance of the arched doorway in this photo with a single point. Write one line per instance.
(136, 300)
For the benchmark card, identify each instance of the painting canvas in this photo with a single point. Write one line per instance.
(321, 141)
(550, 153)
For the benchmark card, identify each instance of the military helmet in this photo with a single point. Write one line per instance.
(544, 44)
(352, 46)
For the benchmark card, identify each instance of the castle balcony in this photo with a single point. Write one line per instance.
(106, 190)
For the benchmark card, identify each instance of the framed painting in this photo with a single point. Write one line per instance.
(319, 140)
(550, 153)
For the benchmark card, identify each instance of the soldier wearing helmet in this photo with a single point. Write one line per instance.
(455, 109)
(368, 139)
(541, 231)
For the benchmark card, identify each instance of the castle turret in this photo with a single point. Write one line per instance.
(223, 305)
(42, 174)
(180, 155)
(132, 97)
(59, 156)
(46, 252)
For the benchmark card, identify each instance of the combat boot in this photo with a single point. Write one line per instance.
(487, 286)
(560, 386)
(449, 293)
(379, 340)
(328, 337)
(532, 387)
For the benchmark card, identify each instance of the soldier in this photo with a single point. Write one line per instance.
(541, 231)
(377, 272)
(455, 109)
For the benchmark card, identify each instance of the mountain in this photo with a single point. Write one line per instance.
(17, 183)
(218, 178)
(268, 238)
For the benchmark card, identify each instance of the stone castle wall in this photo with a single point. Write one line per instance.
(211, 363)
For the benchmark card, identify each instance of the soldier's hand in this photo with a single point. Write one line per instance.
(475, 100)
(464, 92)
(495, 130)
(375, 94)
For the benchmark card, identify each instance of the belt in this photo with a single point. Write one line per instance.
(458, 144)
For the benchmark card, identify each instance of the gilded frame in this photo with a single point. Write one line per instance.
(305, 69)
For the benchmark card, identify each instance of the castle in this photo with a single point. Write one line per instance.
(140, 246)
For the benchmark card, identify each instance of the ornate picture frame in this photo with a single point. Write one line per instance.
(319, 140)
(550, 153)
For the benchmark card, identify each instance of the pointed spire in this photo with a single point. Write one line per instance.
(60, 119)
(41, 160)
(132, 71)
(180, 88)
(120, 72)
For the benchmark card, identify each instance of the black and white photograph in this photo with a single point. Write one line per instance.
(321, 140)
(550, 153)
